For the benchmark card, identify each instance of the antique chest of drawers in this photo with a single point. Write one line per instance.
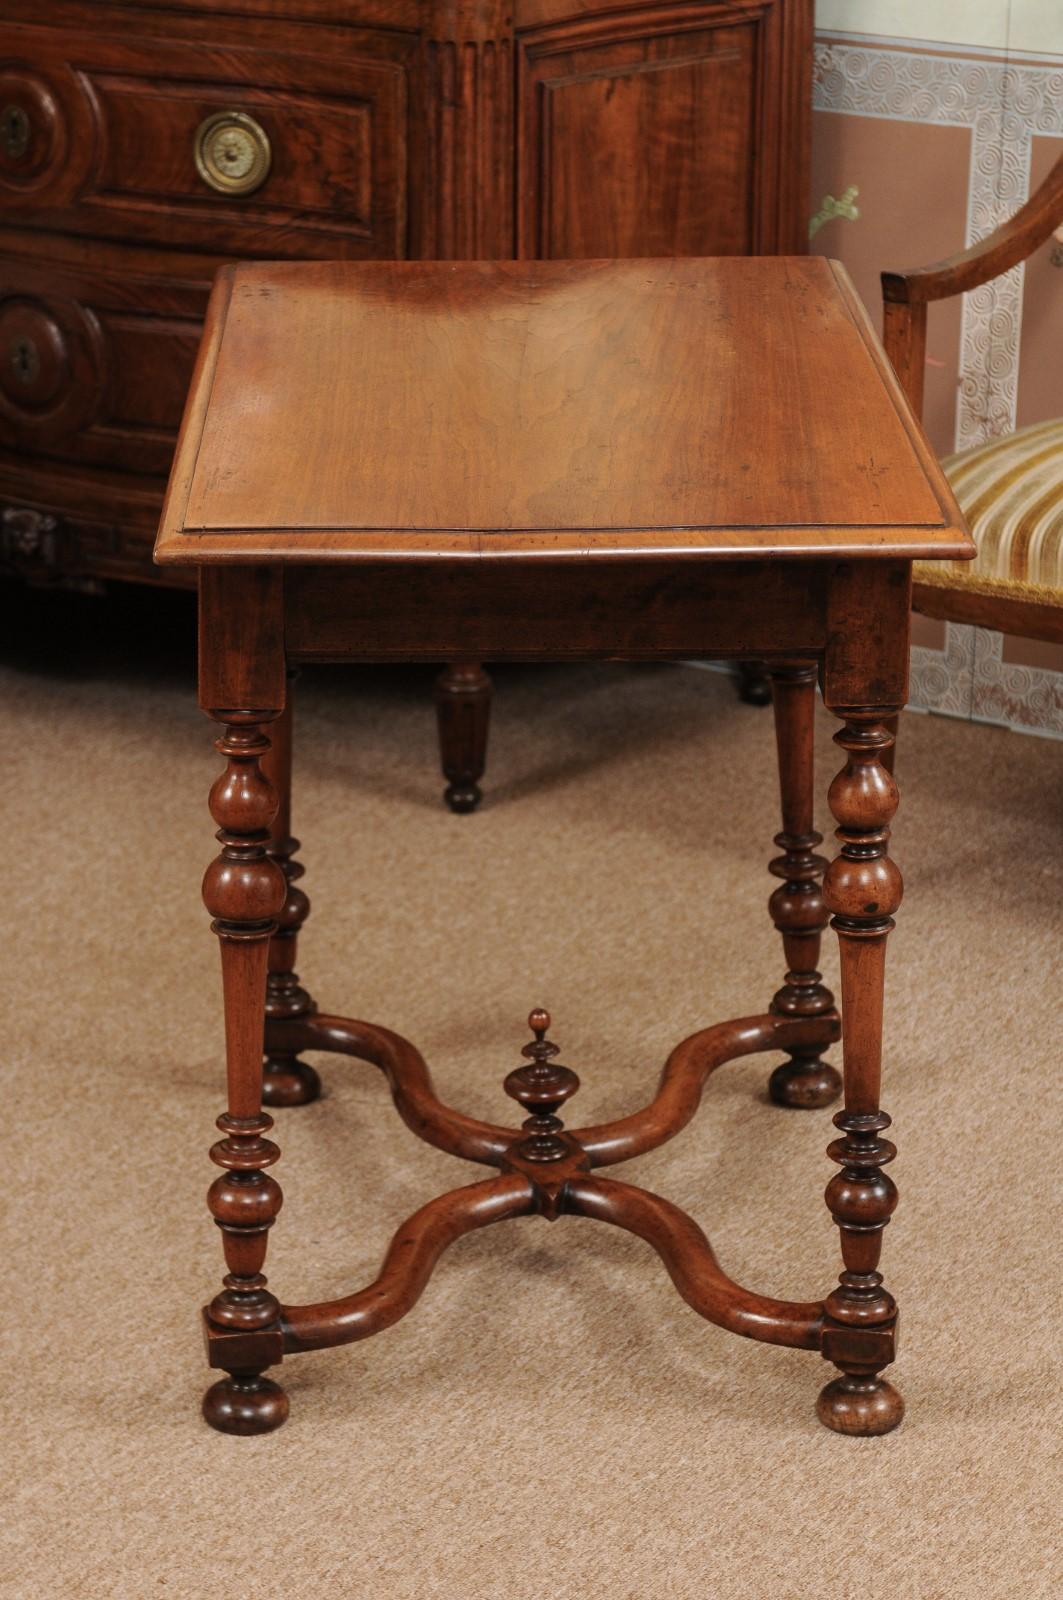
(144, 144)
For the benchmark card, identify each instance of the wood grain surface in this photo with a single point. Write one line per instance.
(406, 410)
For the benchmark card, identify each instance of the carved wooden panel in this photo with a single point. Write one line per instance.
(131, 113)
(151, 355)
(654, 132)
(52, 365)
(94, 365)
(33, 141)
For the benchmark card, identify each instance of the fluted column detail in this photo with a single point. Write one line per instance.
(468, 195)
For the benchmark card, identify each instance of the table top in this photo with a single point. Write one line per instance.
(733, 407)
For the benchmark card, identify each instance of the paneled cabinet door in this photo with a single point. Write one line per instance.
(663, 131)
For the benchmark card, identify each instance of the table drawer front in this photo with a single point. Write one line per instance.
(237, 150)
(94, 366)
(543, 610)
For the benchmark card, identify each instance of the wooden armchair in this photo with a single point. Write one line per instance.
(1010, 489)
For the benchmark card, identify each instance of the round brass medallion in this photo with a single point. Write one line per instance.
(232, 152)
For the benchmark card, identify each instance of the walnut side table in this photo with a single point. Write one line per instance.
(636, 460)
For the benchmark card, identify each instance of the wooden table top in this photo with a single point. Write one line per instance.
(408, 410)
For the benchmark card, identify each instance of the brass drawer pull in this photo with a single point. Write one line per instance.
(232, 152)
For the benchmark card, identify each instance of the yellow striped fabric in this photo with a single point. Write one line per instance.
(1011, 492)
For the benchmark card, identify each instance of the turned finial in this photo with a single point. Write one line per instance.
(539, 1023)
(541, 1086)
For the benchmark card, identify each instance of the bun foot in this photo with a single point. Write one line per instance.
(860, 1406)
(462, 798)
(806, 1085)
(245, 1404)
(288, 1081)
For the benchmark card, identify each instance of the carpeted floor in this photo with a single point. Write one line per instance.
(551, 1422)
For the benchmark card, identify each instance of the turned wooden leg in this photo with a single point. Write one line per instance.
(244, 891)
(889, 757)
(463, 710)
(862, 890)
(287, 1081)
(797, 907)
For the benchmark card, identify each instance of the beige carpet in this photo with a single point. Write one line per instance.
(551, 1422)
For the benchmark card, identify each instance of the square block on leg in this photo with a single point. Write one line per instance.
(873, 1347)
(237, 1350)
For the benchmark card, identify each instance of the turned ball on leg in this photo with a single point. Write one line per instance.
(862, 1405)
(245, 1403)
(287, 1081)
(806, 1083)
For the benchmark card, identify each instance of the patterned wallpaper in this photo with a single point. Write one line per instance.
(922, 143)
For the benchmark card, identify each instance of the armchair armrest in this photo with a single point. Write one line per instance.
(998, 252)
(907, 294)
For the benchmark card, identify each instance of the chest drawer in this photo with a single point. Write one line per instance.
(94, 364)
(239, 150)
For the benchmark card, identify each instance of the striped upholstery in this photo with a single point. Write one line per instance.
(1011, 491)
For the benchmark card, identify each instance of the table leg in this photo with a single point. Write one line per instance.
(244, 891)
(287, 1081)
(889, 757)
(862, 890)
(463, 710)
(797, 906)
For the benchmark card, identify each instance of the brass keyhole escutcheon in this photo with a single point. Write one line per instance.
(16, 131)
(232, 152)
(25, 359)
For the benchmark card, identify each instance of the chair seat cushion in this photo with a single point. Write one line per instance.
(1011, 492)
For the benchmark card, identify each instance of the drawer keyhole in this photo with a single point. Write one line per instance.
(16, 131)
(25, 360)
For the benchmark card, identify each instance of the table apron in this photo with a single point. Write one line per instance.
(556, 611)
(850, 616)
